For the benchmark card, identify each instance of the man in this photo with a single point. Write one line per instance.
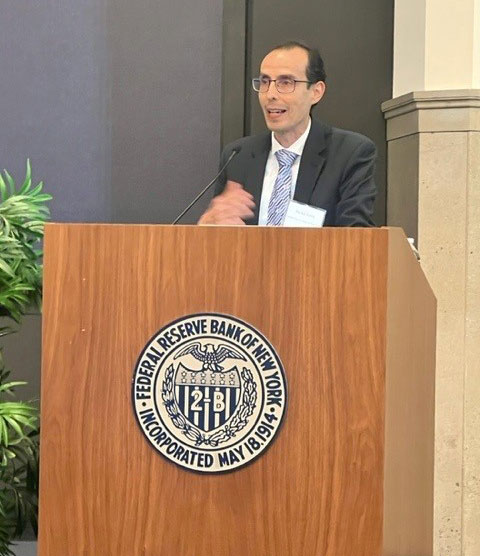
(300, 158)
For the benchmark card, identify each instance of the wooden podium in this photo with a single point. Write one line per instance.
(351, 316)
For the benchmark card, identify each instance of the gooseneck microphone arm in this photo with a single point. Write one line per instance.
(202, 193)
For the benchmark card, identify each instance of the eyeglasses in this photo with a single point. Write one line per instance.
(283, 84)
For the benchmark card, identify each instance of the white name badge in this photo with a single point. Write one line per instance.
(300, 215)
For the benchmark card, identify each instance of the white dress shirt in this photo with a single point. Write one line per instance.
(271, 171)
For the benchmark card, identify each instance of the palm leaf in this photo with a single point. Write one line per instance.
(22, 216)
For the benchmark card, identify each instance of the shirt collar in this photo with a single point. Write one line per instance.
(296, 147)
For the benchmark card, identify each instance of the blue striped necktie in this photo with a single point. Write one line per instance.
(278, 205)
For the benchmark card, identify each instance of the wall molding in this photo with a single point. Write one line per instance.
(234, 69)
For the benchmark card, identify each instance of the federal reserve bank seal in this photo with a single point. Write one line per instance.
(209, 392)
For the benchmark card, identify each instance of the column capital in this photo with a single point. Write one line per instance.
(432, 111)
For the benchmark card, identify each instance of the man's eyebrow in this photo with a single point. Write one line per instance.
(284, 76)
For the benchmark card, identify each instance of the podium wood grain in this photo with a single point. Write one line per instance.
(320, 297)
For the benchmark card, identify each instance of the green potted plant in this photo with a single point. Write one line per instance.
(23, 213)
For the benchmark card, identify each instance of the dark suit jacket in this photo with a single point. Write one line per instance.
(336, 173)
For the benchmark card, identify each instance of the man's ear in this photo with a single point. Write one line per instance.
(318, 91)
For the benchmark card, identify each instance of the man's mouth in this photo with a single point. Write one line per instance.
(275, 111)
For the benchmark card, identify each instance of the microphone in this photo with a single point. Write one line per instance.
(202, 193)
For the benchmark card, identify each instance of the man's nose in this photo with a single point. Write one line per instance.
(272, 91)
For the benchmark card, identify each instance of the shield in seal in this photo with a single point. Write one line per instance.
(210, 395)
(207, 399)
(209, 392)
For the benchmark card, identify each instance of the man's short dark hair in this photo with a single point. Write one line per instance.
(315, 66)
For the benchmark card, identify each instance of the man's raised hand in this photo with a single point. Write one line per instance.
(231, 207)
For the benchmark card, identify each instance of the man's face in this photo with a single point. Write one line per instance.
(287, 114)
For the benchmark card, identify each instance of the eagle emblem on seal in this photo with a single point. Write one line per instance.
(211, 356)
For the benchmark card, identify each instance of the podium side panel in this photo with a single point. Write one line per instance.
(410, 405)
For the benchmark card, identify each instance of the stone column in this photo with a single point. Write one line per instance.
(433, 134)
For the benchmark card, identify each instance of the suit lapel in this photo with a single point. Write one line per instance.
(311, 165)
(256, 170)
(312, 162)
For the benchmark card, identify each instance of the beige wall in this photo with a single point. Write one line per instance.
(436, 45)
(433, 131)
(408, 45)
(471, 453)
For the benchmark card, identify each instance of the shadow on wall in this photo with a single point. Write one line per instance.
(25, 549)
